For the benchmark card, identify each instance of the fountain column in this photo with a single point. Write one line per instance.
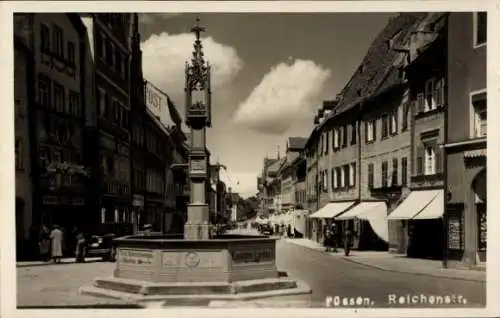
(198, 98)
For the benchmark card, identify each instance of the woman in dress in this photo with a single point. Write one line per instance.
(56, 237)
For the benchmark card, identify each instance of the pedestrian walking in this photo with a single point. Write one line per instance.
(347, 241)
(333, 233)
(80, 247)
(56, 237)
(44, 243)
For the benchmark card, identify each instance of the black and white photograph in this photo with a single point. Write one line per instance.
(251, 158)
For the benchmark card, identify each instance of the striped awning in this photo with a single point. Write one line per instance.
(475, 153)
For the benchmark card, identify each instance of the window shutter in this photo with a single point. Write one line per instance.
(438, 158)
(374, 129)
(420, 103)
(344, 143)
(354, 174)
(366, 131)
(347, 171)
(420, 160)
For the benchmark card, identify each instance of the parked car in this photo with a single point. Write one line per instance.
(100, 243)
(100, 246)
(266, 229)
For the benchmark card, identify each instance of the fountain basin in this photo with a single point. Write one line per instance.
(169, 268)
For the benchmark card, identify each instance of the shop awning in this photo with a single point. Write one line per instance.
(331, 210)
(414, 204)
(365, 211)
(434, 210)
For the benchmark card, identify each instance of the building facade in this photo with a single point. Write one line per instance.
(466, 138)
(57, 120)
(108, 126)
(416, 224)
(23, 102)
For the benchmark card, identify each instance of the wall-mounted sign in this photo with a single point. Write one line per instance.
(157, 103)
(256, 255)
(138, 200)
(135, 257)
(455, 241)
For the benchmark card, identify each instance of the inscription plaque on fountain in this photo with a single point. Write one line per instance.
(135, 257)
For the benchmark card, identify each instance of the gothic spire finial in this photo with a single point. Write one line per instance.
(197, 29)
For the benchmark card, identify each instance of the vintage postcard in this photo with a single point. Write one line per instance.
(228, 158)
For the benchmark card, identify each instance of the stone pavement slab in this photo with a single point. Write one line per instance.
(397, 262)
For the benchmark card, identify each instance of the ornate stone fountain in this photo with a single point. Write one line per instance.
(196, 269)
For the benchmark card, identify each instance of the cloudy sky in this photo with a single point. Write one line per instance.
(270, 73)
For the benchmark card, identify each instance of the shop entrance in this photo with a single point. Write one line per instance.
(479, 188)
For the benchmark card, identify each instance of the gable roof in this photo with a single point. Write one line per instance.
(296, 143)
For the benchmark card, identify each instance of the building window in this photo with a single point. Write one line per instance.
(124, 66)
(327, 141)
(44, 38)
(336, 139)
(352, 174)
(480, 116)
(430, 161)
(322, 145)
(71, 53)
(404, 171)
(406, 112)
(59, 100)
(19, 154)
(480, 28)
(109, 52)
(385, 126)
(370, 175)
(393, 124)
(43, 91)
(340, 178)
(370, 130)
(430, 98)
(118, 61)
(353, 133)
(74, 103)
(334, 179)
(347, 175)
(439, 92)
(394, 179)
(344, 136)
(101, 100)
(57, 34)
(325, 181)
(384, 174)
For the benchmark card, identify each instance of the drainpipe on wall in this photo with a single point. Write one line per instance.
(445, 164)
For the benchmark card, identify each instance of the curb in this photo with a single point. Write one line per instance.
(385, 269)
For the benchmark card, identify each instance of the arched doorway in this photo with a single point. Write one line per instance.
(479, 188)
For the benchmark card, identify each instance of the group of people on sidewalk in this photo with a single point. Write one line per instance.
(332, 237)
(49, 245)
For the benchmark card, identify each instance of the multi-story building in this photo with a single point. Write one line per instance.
(287, 173)
(465, 148)
(266, 186)
(56, 120)
(108, 123)
(385, 131)
(347, 167)
(311, 153)
(23, 102)
(417, 224)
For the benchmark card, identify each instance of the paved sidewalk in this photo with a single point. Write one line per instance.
(397, 262)
(64, 261)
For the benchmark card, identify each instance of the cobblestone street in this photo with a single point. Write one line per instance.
(57, 285)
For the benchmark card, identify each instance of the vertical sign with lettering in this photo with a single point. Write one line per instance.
(157, 103)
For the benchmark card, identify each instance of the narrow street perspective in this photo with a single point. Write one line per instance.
(241, 160)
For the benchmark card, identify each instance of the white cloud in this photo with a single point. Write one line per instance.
(164, 57)
(289, 92)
